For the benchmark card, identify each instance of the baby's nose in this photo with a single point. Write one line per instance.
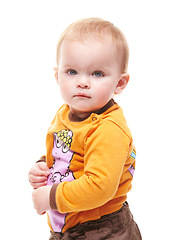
(83, 83)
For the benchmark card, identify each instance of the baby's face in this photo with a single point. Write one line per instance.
(88, 74)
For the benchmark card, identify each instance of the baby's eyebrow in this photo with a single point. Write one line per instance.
(69, 66)
(100, 68)
(66, 65)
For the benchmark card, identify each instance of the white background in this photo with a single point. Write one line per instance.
(29, 99)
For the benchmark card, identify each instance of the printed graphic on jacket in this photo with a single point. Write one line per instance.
(60, 171)
(131, 168)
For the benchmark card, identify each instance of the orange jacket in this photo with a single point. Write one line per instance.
(92, 164)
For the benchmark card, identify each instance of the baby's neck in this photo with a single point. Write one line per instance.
(81, 116)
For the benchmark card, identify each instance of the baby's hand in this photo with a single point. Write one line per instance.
(38, 175)
(40, 199)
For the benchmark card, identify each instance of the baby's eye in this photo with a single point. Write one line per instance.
(98, 74)
(72, 72)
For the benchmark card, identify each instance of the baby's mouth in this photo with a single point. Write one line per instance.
(82, 95)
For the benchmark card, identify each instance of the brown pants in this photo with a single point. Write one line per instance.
(118, 225)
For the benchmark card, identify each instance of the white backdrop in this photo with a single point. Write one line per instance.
(29, 98)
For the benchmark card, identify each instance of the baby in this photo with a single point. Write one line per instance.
(83, 180)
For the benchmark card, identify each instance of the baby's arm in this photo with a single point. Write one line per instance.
(38, 175)
(107, 149)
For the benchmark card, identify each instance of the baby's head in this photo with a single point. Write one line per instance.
(96, 29)
(92, 60)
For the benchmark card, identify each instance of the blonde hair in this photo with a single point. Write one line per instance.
(96, 28)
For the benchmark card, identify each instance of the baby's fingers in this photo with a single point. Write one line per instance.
(38, 185)
(44, 168)
(38, 172)
(37, 181)
(38, 175)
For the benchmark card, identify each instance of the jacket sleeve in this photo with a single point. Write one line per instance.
(42, 159)
(106, 151)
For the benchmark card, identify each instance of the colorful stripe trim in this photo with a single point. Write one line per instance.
(133, 154)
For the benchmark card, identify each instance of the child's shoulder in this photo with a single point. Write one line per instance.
(116, 117)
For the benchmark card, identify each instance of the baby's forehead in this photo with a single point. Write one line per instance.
(92, 41)
(90, 53)
(93, 45)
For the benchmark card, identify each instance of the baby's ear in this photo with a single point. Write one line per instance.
(56, 73)
(122, 83)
